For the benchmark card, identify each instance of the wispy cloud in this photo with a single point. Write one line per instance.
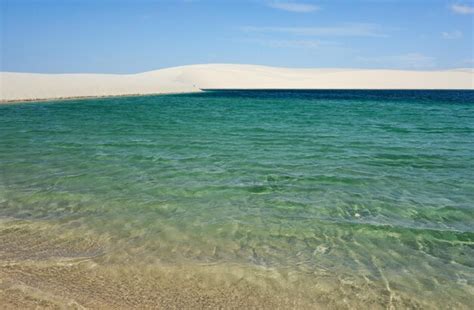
(347, 30)
(456, 34)
(403, 61)
(304, 44)
(464, 64)
(462, 9)
(296, 7)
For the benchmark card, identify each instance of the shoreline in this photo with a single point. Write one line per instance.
(15, 101)
(33, 87)
(26, 101)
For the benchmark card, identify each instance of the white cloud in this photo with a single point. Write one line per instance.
(305, 44)
(347, 30)
(462, 9)
(452, 35)
(404, 61)
(464, 64)
(293, 6)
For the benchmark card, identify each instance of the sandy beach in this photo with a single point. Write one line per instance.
(33, 86)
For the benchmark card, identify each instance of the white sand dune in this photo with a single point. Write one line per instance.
(32, 86)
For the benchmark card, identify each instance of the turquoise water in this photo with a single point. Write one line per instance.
(365, 196)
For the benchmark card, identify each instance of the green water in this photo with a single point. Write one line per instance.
(369, 190)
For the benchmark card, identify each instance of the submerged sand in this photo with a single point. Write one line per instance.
(32, 86)
(41, 269)
(45, 266)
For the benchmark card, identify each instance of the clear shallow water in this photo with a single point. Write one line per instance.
(363, 197)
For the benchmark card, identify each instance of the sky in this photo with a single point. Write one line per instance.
(130, 36)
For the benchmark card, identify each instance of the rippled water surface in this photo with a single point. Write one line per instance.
(347, 198)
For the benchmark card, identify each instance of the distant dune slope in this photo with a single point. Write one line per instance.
(31, 86)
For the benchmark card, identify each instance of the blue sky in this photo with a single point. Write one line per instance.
(125, 36)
